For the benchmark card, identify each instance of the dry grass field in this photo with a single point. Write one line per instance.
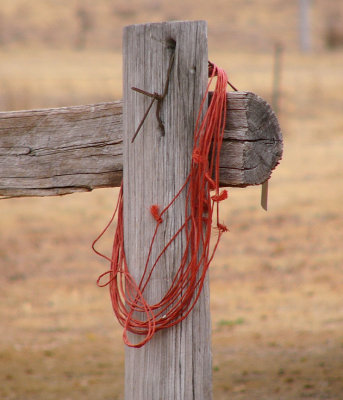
(277, 279)
(233, 24)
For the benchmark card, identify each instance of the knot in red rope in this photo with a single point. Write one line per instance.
(155, 212)
(222, 227)
(197, 157)
(220, 197)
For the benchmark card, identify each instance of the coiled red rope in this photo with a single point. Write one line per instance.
(202, 203)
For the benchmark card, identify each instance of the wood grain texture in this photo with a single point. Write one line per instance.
(252, 145)
(60, 151)
(176, 363)
(65, 150)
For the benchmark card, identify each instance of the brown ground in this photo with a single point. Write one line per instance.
(277, 279)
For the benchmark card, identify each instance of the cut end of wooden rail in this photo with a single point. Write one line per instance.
(252, 145)
(59, 151)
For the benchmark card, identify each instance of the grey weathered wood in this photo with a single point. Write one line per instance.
(176, 363)
(70, 149)
(252, 145)
(60, 151)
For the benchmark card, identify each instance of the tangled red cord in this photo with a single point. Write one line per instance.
(127, 295)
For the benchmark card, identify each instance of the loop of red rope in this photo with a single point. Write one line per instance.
(132, 310)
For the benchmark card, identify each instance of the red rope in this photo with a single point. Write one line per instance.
(127, 295)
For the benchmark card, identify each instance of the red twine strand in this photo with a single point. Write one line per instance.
(127, 296)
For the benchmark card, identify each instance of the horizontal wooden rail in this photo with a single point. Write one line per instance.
(71, 149)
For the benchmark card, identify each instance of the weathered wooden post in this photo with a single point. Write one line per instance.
(176, 363)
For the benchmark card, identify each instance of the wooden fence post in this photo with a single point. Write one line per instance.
(176, 363)
(304, 25)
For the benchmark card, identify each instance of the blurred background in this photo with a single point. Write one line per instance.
(277, 279)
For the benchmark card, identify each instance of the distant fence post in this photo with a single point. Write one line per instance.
(176, 363)
(304, 25)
